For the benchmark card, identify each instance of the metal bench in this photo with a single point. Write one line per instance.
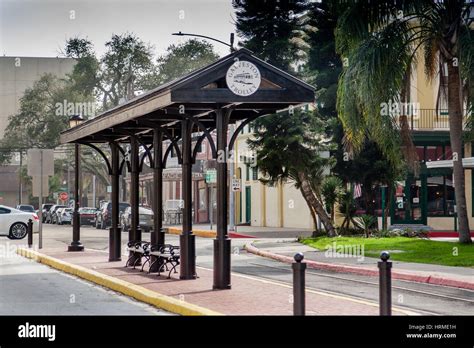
(165, 255)
(140, 249)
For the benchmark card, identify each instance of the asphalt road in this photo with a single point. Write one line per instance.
(29, 288)
(422, 298)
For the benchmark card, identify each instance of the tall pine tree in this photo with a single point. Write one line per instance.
(272, 29)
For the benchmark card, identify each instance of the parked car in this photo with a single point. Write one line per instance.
(145, 217)
(25, 207)
(51, 215)
(87, 215)
(14, 222)
(102, 206)
(103, 216)
(45, 209)
(64, 216)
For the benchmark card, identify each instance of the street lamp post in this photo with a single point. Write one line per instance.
(76, 244)
(230, 45)
(222, 243)
(231, 129)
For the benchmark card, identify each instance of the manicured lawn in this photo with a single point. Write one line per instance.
(405, 249)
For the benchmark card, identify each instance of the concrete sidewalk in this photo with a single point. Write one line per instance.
(284, 250)
(248, 296)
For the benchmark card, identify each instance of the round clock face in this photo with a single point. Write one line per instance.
(243, 78)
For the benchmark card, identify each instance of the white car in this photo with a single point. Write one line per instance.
(14, 222)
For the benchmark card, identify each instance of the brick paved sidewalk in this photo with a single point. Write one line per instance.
(248, 296)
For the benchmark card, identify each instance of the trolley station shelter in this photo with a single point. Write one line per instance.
(237, 87)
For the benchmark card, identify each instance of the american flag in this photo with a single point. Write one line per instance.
(357, 190)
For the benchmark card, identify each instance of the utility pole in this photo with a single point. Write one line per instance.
(40, 203)
(20, 188)
(93, 190)
(68, 183)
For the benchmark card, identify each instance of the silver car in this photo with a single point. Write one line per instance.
(64, 216)
(145, 219)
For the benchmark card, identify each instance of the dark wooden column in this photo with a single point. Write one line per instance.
(158, 236)
(187, 239)
(115, 232)
(222, 242)
(135, 232)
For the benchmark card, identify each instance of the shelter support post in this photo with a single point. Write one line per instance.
(222, 243)
(158, 235)
(115, 232)
(135, 233)
(187, 239)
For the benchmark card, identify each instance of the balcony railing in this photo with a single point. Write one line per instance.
(430, 119)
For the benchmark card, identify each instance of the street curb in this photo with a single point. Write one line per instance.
(207, 233)
(418, 278)
(199, 233)
(137, 292)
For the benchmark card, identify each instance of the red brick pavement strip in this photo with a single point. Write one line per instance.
(419, 277)
(248, 296)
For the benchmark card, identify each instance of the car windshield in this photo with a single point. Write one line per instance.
(145, 211)
(87, 211)
(27, 208)
(122, 206)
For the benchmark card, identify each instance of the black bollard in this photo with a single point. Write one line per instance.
(298, 284)
(115, 244)
(385, 284)
(30, 233)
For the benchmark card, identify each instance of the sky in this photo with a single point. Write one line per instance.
(39, 28)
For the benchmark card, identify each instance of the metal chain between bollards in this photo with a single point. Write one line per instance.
(299, 284)
(385, 284)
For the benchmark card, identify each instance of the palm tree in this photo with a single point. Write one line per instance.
(331, 190)
(379, 43)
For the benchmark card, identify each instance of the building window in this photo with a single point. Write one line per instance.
(440, 196)
(255, 173)
(433, 153)
(247, 172)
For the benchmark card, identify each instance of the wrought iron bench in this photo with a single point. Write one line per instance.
(138, 251)
(165, 255)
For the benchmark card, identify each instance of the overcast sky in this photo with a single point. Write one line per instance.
(40, 27)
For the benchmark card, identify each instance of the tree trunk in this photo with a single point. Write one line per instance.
(317, 206)
(388, 202)
(313, 214)
(455, 133)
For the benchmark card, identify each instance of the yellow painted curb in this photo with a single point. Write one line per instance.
(140, 293)
(199, 233)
